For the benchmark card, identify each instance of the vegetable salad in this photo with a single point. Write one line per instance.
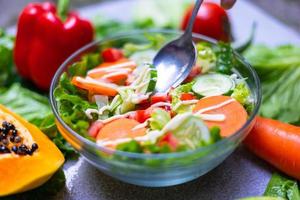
(109, 97)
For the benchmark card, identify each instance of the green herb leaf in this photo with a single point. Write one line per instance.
(281, 186)
(7, 73)
(279, 72)
(132, 146)
(225, 58)
(159, 118)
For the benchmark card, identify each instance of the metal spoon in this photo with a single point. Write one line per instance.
(175, 60)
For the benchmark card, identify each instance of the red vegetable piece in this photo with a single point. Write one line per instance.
(112, 55)
(212, 20)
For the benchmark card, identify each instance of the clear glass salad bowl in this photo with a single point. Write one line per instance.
(155, 170)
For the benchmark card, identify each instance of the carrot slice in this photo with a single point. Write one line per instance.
(234, 112)
(120, 128)
(278, 143)
(94, 86)
(108, 67)
(116, 76)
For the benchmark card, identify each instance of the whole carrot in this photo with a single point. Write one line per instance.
(278, 143)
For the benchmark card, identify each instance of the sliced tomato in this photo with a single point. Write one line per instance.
(170, 140)
(196, 71)
(141, 115)
(95, 128)
(187, 96)
(112, 54)
(160, 97)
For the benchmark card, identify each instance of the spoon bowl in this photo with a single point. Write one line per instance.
(176, 59)
(173, 63)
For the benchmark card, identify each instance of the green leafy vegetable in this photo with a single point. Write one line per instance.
(215, 133)
(176, 93)
(279, 72)
(225, 58)
(35, 108)
(126, 104)
(159, 118)
(6, 59)
(241, 93)
(30, 105)
(206, 56)
(190, 131)
(72, 106)
(281, 186)
(132, 146)
(155, 42)
(87, 62)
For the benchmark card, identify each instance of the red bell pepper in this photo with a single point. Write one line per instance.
(45, 39)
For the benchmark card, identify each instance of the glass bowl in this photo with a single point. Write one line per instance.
(155, 170)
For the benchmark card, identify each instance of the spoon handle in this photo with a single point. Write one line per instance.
(189, 29)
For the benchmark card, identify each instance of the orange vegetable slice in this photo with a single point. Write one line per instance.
(120, 128)
(95, 86)
(235, 114)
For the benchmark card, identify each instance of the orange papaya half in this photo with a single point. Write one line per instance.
(21, 171)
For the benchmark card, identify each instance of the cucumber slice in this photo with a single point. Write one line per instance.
(148, 76)
(142, 57)
(213, 85)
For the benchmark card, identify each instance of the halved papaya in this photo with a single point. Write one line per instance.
(27, 167)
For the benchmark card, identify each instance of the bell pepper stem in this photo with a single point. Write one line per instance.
(63, 9)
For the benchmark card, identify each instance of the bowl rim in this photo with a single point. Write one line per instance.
(86, 141)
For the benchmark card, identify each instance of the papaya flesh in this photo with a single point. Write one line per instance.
(22, 172)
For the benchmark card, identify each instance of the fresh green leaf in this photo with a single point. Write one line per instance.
(215, 133)
(279, 72)
(206, 56)
(154, 42)
(159, 118)
(176, 94)
(7, 73)
(87, 62)
(189, 130)
(241, 93)
(72, 106)
(132, 146)
(30, 105)
(225, 58)
(281, 186)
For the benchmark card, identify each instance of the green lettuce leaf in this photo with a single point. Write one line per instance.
(7, 73)
(159, 118)
(281, 186)
(241, 93)
(176, 93)
(279, 71)
(72, 106)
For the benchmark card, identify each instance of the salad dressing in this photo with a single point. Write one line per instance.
(171, 125)
(116, 66)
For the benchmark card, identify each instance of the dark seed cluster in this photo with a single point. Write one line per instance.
(11, 141)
